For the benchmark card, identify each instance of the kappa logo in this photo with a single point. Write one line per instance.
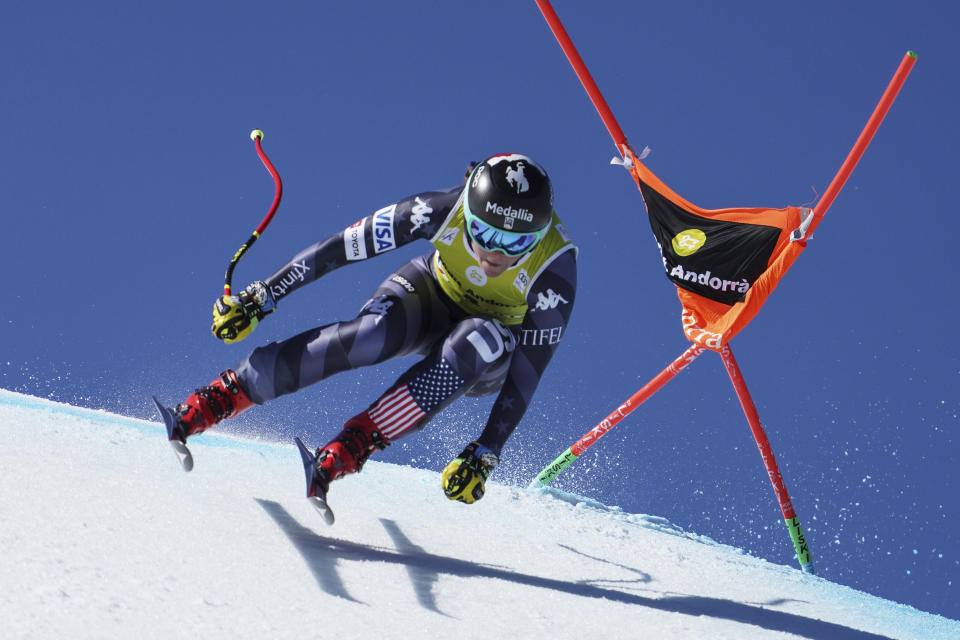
(516, 179)
(420, 211)
(550, 300)
(354, 241)
(378, 306)
(688, 242)
(384, 238)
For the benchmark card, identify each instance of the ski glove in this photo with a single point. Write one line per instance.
(235, 317)
(464, 478)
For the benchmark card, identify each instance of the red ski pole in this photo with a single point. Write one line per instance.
(256, 135)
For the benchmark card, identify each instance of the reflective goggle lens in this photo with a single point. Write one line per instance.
(493, 239)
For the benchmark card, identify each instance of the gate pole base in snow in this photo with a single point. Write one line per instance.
(750, 410)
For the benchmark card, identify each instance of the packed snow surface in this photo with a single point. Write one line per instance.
(104, 536)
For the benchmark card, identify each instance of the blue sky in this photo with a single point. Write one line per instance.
(129, 181)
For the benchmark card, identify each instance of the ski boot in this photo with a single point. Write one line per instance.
(223, 398)
(343, 455)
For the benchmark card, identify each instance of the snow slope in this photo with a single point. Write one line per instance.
(105, 537)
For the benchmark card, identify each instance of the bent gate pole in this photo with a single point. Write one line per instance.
(733, 370)
(583, 73)
(564, 460)
(879, 113)
(769, 461)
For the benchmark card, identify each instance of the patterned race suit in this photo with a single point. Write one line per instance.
(478, 335)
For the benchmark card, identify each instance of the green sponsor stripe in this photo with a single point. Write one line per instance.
(553, 469)
(800, 544)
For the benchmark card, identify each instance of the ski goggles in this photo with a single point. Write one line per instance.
(491, 238)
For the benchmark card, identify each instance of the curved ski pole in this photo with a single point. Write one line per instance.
(256, 135)
(564, 460)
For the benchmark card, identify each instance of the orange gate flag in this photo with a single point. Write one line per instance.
(724, 262)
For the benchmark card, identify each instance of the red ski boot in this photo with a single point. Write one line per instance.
(205, 407)
(347, 452)
(343, 455)
(221, 399)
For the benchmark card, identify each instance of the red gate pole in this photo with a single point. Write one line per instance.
(863, 140)
(582, 73)
(563, 461)
(766, 452)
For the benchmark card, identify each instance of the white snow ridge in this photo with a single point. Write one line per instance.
(104, 536)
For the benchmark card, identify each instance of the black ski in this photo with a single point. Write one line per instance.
(315, 493)
(176, 441)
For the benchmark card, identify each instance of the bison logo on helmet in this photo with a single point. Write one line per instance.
(516, 179)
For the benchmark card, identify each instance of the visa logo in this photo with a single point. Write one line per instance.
(384, 238)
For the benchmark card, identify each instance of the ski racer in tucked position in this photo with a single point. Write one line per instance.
(487, 309)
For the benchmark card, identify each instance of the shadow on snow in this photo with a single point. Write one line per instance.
(322, 554)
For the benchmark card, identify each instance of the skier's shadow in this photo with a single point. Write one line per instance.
(322, 555)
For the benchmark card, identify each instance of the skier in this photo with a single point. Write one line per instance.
(487, 309)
